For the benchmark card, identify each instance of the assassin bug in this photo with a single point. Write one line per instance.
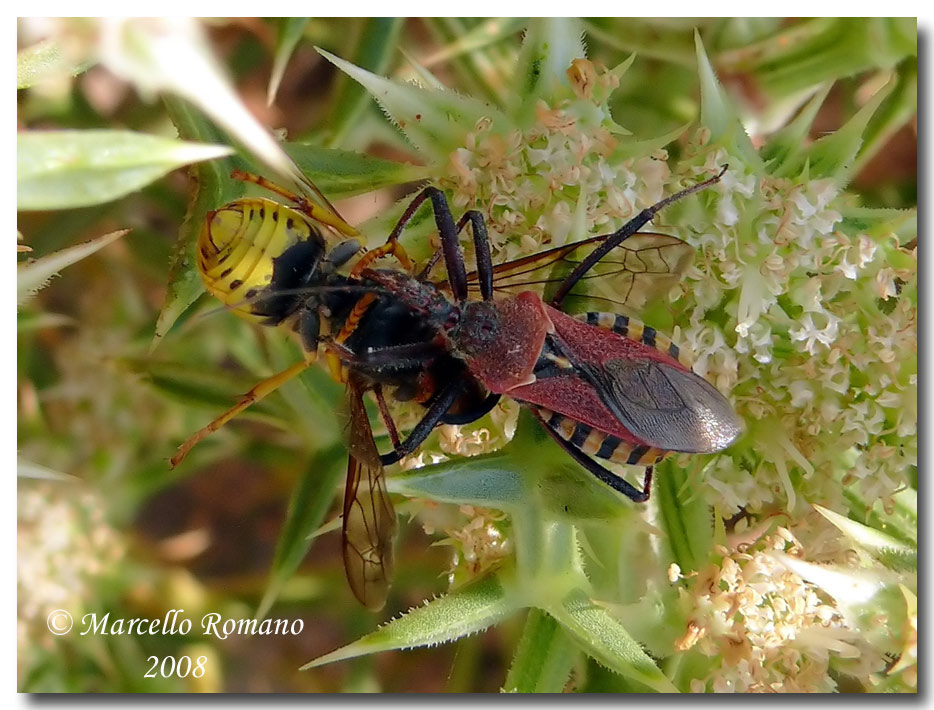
(603, 387)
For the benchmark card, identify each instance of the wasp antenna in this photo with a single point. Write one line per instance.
(697, 187)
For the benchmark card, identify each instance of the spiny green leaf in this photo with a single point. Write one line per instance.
(465, 611)
(787, 141)
(887, 550)
(833, 156)
(62, 169)
(436, 122)
(718, 114)
(491, 480)
(605, 640)
(684, 517)
(33, 276)
(900, 107)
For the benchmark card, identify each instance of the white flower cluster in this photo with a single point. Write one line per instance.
(768, 629)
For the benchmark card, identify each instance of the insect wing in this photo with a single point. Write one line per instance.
(664, 406)
(369, 522)
(642, 266)
(656, 398)
(323, 210)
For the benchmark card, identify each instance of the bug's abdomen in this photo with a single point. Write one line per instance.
(238, 249)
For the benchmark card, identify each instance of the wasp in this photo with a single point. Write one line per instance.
(603, 385)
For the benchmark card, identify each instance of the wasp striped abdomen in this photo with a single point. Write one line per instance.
(252, 245)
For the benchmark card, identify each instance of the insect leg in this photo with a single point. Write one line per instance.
(472, 415)
(622, 234)
(453, 259)
(613, 481)
(426, 424)
(255, 394)
(387, 417)
(481, 242)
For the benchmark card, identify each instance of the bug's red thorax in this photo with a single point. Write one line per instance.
(501, 341)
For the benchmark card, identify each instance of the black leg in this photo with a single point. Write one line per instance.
(481, 243)
(622, 234)
(438, 408)
(472, 415)
(613, 481)
(401, 356)
(453, 259)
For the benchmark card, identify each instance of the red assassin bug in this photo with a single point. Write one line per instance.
(603, 385)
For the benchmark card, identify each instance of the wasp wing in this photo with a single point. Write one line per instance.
(369, 521)
(642, 266)
(665, 406)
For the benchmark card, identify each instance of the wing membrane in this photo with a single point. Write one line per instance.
(664, 406)
(644, 265)
(369, 521)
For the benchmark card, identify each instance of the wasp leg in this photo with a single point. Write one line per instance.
(612, 480)
(301, 203)
(623, 233)
(387, 417)
(255, 394)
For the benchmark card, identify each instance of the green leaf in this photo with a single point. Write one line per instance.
(436, 122)
(28, 469)
(482, 35)
(311, 498)
(887, 550)
(33, 276)
(900, 107)
(718, 114)
(606, 641)
(684, 516)
(787, 142)
(172, 55)
(290, 32)
(341, 173)
(490, 480)
(465, 611)
(373, 49)
(42, 61)
(833, 155)
(543, 659)
(61, 169)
